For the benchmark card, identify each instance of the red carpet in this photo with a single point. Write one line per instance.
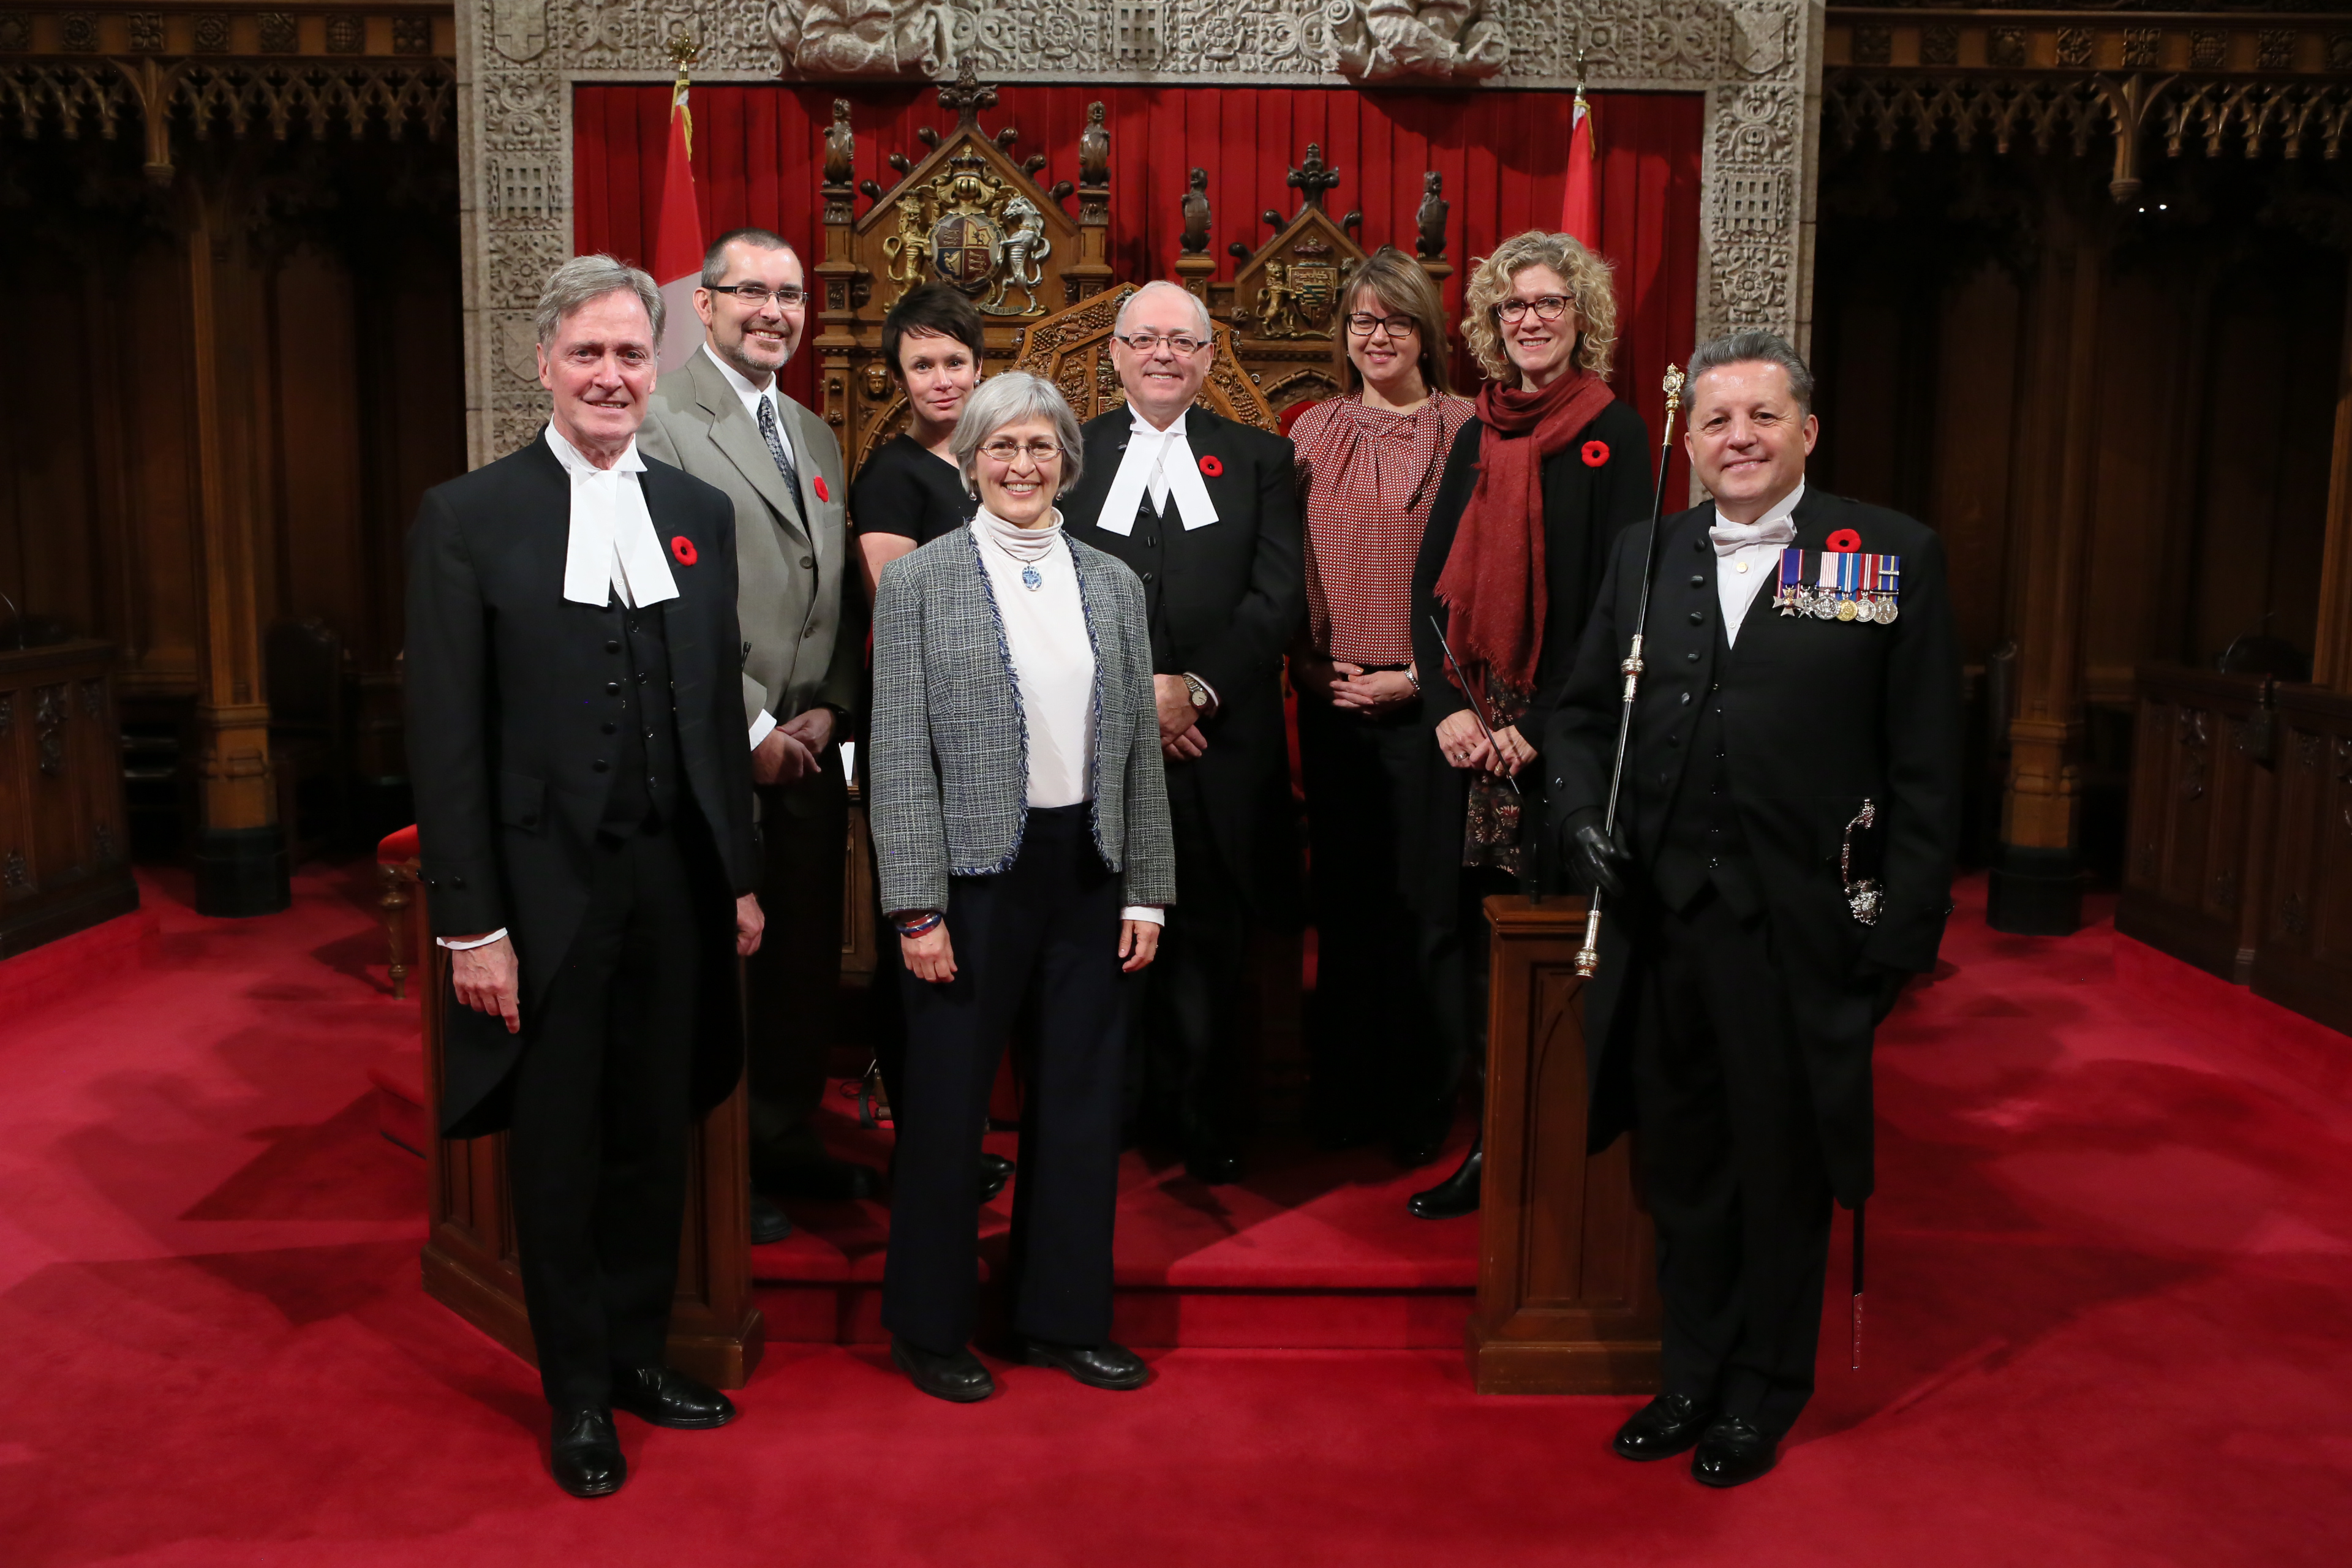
(2112, 1252)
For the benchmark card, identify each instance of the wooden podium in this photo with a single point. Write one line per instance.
(1567, 1277)
(715, 1331)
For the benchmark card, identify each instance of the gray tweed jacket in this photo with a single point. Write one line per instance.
(950, 761)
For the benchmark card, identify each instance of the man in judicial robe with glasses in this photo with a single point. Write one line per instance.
(1205, 512)
(1782, 862)
(583, 798)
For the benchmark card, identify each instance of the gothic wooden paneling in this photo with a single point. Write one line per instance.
(353, 356)
(2305, 957)
(2201, 800)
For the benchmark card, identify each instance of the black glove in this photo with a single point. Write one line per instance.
(1888, 986)
(1595, 860)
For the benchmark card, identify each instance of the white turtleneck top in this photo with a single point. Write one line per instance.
(1052, 657)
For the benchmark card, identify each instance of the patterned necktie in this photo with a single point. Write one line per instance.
(781, 453)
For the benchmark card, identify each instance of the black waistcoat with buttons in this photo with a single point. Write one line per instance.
(643, 759)
(1702, 841)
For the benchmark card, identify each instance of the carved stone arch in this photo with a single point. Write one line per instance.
(1758, 63)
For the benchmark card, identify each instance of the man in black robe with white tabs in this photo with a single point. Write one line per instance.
(1782, 863)
(1205, 512)
(584, 809)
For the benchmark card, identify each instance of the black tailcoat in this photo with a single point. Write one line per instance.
(513, 693)
(1223, 603)
(1818, 716)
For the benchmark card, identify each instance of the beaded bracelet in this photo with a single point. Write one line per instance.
(918, 927)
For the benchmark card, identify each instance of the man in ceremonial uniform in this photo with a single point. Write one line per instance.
(583, 816)
(1205, 512)
(1782, 862)
(721, 417)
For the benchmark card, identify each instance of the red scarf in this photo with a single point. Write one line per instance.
(1493, 585)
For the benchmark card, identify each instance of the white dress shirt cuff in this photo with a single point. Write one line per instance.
(1150, 914)
(762, 727)
(453, 945)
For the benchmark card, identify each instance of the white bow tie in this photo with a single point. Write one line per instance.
(1730, 538)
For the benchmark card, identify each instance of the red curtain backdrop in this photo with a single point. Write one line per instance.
(758, 149)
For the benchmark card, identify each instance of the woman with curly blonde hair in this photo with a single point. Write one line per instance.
(1534, 491)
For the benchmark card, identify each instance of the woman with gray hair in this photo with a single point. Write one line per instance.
(1022, 839)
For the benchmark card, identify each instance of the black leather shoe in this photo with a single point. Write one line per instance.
(1458, 1193)
(996, 1170)
(1104, 1366)
(1734, 1452)
(1667, 1425)
(586, 1453)
(769, 1222)
(838, 1181)
(957, 1376)
(669, 1398)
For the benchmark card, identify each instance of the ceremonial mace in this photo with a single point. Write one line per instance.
(1587, 957)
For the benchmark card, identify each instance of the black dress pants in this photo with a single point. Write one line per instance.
(597, 1156)
(1048, 923)
(1731, 1162)
(1390, 1027)
(792, 986)
(1187, 1062)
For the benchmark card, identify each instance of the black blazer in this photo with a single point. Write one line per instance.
(1585, 506)
(1818, 716)
(510, 696)
(1223, 603)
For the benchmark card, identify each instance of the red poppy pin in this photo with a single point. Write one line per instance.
(1595, 454)
(1843, 540)
(821, 493)
(1211, 466)
(683, 548)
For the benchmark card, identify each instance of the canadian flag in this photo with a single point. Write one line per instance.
(677, 238)
(1579, 209)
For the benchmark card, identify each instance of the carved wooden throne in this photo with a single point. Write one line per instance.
(1283, 305)
(1071, 349)
(968, 214)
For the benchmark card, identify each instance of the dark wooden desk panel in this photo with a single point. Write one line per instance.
(1567, 1275)
(64, 855)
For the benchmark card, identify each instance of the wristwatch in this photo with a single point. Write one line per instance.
(1197, 691)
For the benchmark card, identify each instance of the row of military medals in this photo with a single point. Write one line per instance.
(1850, 587)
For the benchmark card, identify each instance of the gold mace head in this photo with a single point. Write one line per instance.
(1674, 385)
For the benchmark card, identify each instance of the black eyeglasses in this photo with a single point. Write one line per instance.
(758, 294)
(1548, 308)
(1361, 323)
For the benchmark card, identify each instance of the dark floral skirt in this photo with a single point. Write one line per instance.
(1493, 831)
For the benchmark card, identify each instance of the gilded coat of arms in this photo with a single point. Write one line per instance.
(986, 241)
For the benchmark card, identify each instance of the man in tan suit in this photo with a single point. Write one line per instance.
(720, 417)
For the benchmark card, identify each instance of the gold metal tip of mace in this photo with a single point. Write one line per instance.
(1674, 386)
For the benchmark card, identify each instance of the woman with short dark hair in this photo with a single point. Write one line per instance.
(908, 491)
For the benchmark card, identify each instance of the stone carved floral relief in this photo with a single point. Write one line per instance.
(1750, 57)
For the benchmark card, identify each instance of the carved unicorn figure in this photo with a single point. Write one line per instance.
(1018, 256)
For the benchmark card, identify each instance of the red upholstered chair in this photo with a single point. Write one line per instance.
(396, 868)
